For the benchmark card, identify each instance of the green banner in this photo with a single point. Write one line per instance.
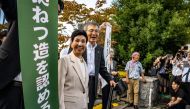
(37, 20)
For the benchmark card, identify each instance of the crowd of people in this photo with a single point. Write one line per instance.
(173, 71)
(80, 66)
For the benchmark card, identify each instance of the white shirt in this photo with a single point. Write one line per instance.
(176, 71)
(185, 76)
(134, 69)
(18, 77)
(91, 58)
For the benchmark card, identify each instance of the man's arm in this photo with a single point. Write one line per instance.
(174, 102)
(103, 25)
(103, 70)
(143, 77)
(127, 77)
(9, 57)
(171, 101)
(142, 73)
(127, 72)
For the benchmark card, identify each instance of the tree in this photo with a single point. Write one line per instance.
(3, 26)
(152, 27)
(75, 13)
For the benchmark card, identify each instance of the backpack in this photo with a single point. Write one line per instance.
(121, 87)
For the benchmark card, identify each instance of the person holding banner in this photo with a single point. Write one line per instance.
(94, 57)
(73, 75)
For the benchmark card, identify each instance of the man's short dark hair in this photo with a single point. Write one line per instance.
(177, 81)
(78, 32)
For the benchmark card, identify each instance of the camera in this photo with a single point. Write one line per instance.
(185, 48)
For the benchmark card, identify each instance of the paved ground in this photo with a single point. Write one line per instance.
(123, 105)
(162, 107)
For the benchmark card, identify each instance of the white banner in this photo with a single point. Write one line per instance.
(107, 46)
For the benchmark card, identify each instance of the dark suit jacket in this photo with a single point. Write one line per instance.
(99, 65)
(9, 57)
(9, 50)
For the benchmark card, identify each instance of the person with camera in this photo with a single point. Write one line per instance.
(185, 78)
(177, 66)
(163, 74)
(183, 51)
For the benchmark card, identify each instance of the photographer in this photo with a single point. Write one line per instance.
(185, 78)
(177, 66)
(183, 51)
(162, 74)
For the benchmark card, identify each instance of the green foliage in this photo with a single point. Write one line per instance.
(152, 27)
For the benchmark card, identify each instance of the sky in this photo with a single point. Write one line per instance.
(91, 3)
(1, 16)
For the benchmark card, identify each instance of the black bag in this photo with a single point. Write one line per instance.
(109, 106)
(121, 87)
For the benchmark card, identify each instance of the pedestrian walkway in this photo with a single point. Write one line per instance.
(123, 105)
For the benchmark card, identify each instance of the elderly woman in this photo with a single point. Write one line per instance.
(73, 77)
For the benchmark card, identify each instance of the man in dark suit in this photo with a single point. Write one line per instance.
(94, 58)
(11, 96)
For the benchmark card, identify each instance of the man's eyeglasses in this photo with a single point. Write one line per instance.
(91, 30)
